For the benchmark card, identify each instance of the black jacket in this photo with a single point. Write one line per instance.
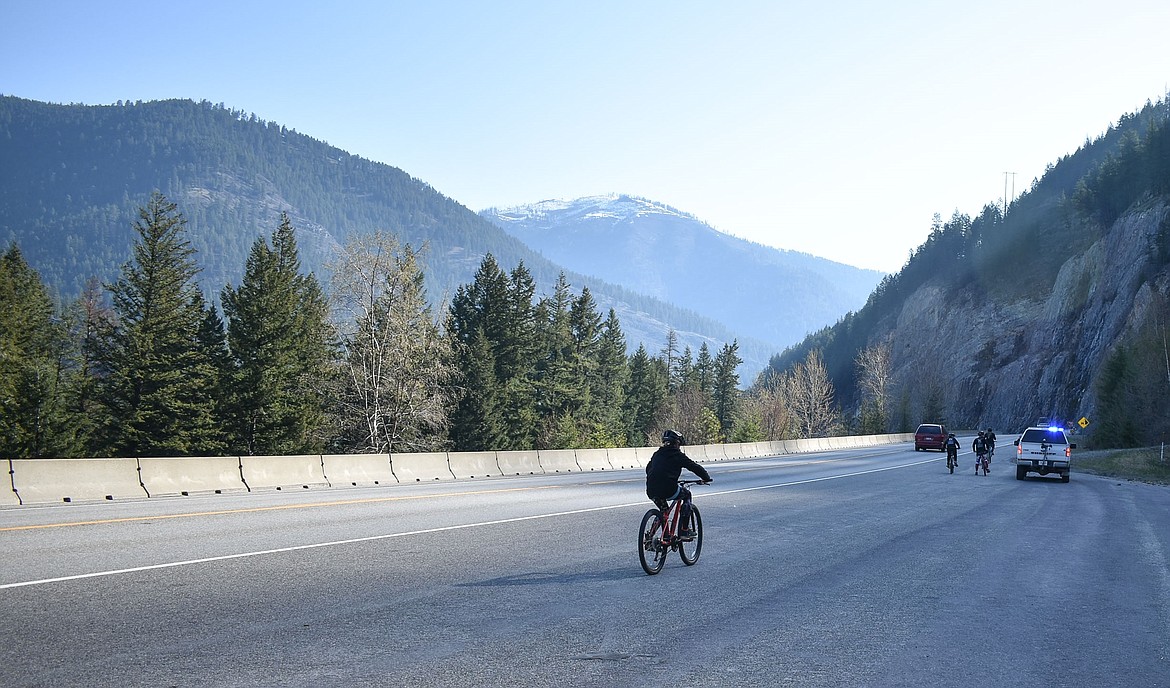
(664, 469)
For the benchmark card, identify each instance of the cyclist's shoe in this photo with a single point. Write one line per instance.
(686, 534)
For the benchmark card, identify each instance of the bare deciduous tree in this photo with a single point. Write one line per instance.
(397, 363)
(874, 377)
(810, 395)
(770, 401)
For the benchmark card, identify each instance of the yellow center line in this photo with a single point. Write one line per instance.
(312, 505)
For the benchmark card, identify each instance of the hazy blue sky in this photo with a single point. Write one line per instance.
(835, 128)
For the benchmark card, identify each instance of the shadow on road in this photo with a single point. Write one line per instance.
(539, 578)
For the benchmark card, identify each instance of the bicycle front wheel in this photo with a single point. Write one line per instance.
(651, 550)
(690, 549)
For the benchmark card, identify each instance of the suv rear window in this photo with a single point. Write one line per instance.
(929, 430)
(1036, 436)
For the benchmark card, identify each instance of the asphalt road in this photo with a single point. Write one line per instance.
(869, 567)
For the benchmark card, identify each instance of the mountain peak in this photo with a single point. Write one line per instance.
(650, 248)
(610, 207)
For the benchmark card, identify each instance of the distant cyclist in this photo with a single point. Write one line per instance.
(979, 446)
(952, 446)
(662, 474)
(989, 437)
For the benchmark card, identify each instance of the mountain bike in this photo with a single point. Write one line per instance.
(657, 536)
(952, 459)
(981, 461)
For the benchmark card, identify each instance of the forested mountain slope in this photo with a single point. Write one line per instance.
(73, 177)
(778, 296)
(1057, 309)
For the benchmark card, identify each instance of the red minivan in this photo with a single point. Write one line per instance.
(930, 436)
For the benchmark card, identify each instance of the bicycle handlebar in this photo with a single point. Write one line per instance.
(684, 483)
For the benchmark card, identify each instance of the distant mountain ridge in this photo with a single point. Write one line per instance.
(73, 178)
(1056, 308)
(651, 248)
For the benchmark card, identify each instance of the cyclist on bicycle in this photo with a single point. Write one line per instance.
(952, 449)
(989, 437)
(663, 471)
(979, 446)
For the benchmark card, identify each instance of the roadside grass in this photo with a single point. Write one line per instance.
(1145, 465)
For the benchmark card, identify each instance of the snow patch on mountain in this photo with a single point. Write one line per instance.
(553, 213)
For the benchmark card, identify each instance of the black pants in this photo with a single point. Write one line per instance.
(682, 493)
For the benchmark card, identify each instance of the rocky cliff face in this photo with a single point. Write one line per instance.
(1004, 364)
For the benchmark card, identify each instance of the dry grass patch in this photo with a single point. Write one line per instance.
(1147, 464)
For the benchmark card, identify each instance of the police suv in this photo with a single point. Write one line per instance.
(1043, 450)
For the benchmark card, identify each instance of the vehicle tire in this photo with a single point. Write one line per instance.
(1021, 472)
(690, 550)
(651, 551)
(1064, 478)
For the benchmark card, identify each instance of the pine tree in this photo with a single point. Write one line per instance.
(32, 357)
(726, 392)
(493, 398)
(156, 393)
(609, 386)
(704, 372)
(670, 354)
(585, 327)
(557, 392)
(517, 368)
(278, 336)
(1115, 425)
(475, 423)
(91, 325)
(212, 338)
(644, 396)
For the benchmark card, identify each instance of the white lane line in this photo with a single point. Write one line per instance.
(425, 531)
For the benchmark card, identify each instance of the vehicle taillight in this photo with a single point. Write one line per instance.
(1019, 450)
(1067, 452)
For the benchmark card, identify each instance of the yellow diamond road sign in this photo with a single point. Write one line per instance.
(1083, 422)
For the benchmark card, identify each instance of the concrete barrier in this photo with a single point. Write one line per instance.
(182, 475)
(697, 452)
(558, 460)
(358, 470)
(715, 452)
(283, 472)
(519, 463)
(594, 459)
(46, 481)
(625, 458)
(733, 451)
(800, 446)
(474, 464)
(7, 494)
(644, 454)
(421, 467)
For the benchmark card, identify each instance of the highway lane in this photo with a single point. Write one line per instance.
(859, 567)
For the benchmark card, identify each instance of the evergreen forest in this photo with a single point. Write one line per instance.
(145, 365)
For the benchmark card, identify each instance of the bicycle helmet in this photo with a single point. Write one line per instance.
(672, 437)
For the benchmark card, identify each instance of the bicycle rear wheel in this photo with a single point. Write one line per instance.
(689, 549)
(651, 551)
